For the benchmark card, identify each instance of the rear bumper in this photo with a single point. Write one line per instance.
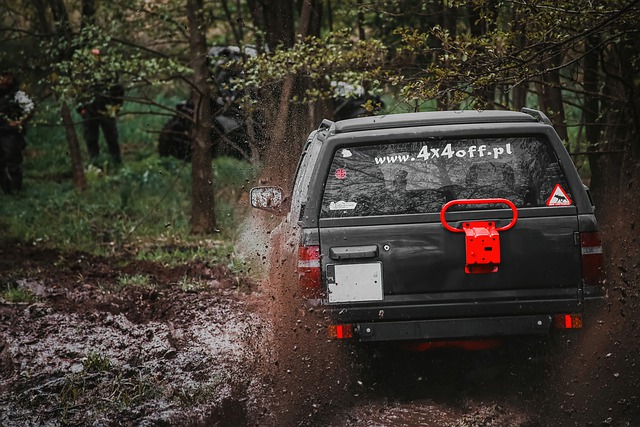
(461, 316)
(453, 328)
(594, 293)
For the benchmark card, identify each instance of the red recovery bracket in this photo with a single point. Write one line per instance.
(482, 238)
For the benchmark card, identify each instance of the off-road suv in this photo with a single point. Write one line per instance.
(442, 225)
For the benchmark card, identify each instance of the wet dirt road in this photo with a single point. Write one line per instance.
(448, 387)
(88, 352)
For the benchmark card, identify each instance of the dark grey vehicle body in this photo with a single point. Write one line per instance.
(394, 272)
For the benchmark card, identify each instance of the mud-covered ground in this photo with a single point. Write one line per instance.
(197, 346)
(91, 351)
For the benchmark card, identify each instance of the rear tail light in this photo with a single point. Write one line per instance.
(341, 331)
(591, 249)
(567, 321)
(309, 273)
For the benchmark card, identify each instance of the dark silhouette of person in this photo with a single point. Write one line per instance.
(99, 111)
(16, 108)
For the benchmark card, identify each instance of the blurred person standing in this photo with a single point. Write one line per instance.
(99, 110)
(16, 108)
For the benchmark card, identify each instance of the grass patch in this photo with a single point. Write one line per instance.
(189, 284)
(146, 199)
(137, 280)
(17, 294)
(109, 390)
(181, 251)
(96, 362)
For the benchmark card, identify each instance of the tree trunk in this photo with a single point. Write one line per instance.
(316, 17)
(79, 180)
(520, 90)
(62, 27)
(42, 15)
(203, 218)
(591, 109)
(552, 94)
(279, 23)
(88, 11)
(613, 159)
(485, 96)
(287, 129)
(448, 20)
(361, 33)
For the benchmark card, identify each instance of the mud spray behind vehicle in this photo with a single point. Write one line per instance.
(442, 226)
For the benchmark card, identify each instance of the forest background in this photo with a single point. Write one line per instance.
(576, 61)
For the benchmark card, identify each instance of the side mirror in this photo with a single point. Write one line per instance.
(267, 198)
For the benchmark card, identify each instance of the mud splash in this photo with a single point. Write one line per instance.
(305, 376)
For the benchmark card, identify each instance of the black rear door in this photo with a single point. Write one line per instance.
(381, 237)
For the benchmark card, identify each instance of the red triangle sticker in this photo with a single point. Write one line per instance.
(559, 197)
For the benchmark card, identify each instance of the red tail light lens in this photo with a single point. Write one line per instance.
(341, 331)
(309, 273)
(591, 249)
(567, 321)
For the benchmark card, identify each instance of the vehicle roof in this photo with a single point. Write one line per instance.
(434, 118)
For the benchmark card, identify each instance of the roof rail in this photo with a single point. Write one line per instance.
(326, 124)
(323, 129)
(537, 114)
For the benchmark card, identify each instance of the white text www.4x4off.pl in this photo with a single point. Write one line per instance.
(447, 152)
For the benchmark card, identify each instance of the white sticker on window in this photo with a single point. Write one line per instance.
(426, 153)
(342, 205)
(345, 153)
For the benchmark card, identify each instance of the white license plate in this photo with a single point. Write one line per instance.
(354, 282)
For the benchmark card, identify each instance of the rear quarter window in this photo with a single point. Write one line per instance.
(421, 176)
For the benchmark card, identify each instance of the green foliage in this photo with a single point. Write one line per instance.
(509, 44)
(89, 58)
(180, 251)
(145, 199)
(189, 284)
(334, 58)
(137, 200)
(17, 294)
(102, 385)
(422, 55)
(96, 362)
(137, 280)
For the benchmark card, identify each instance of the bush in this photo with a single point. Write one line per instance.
(145, 199)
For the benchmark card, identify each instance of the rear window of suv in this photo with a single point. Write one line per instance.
(421, 176)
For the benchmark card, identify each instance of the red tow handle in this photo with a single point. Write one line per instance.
(478, 202)
(482, 240)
